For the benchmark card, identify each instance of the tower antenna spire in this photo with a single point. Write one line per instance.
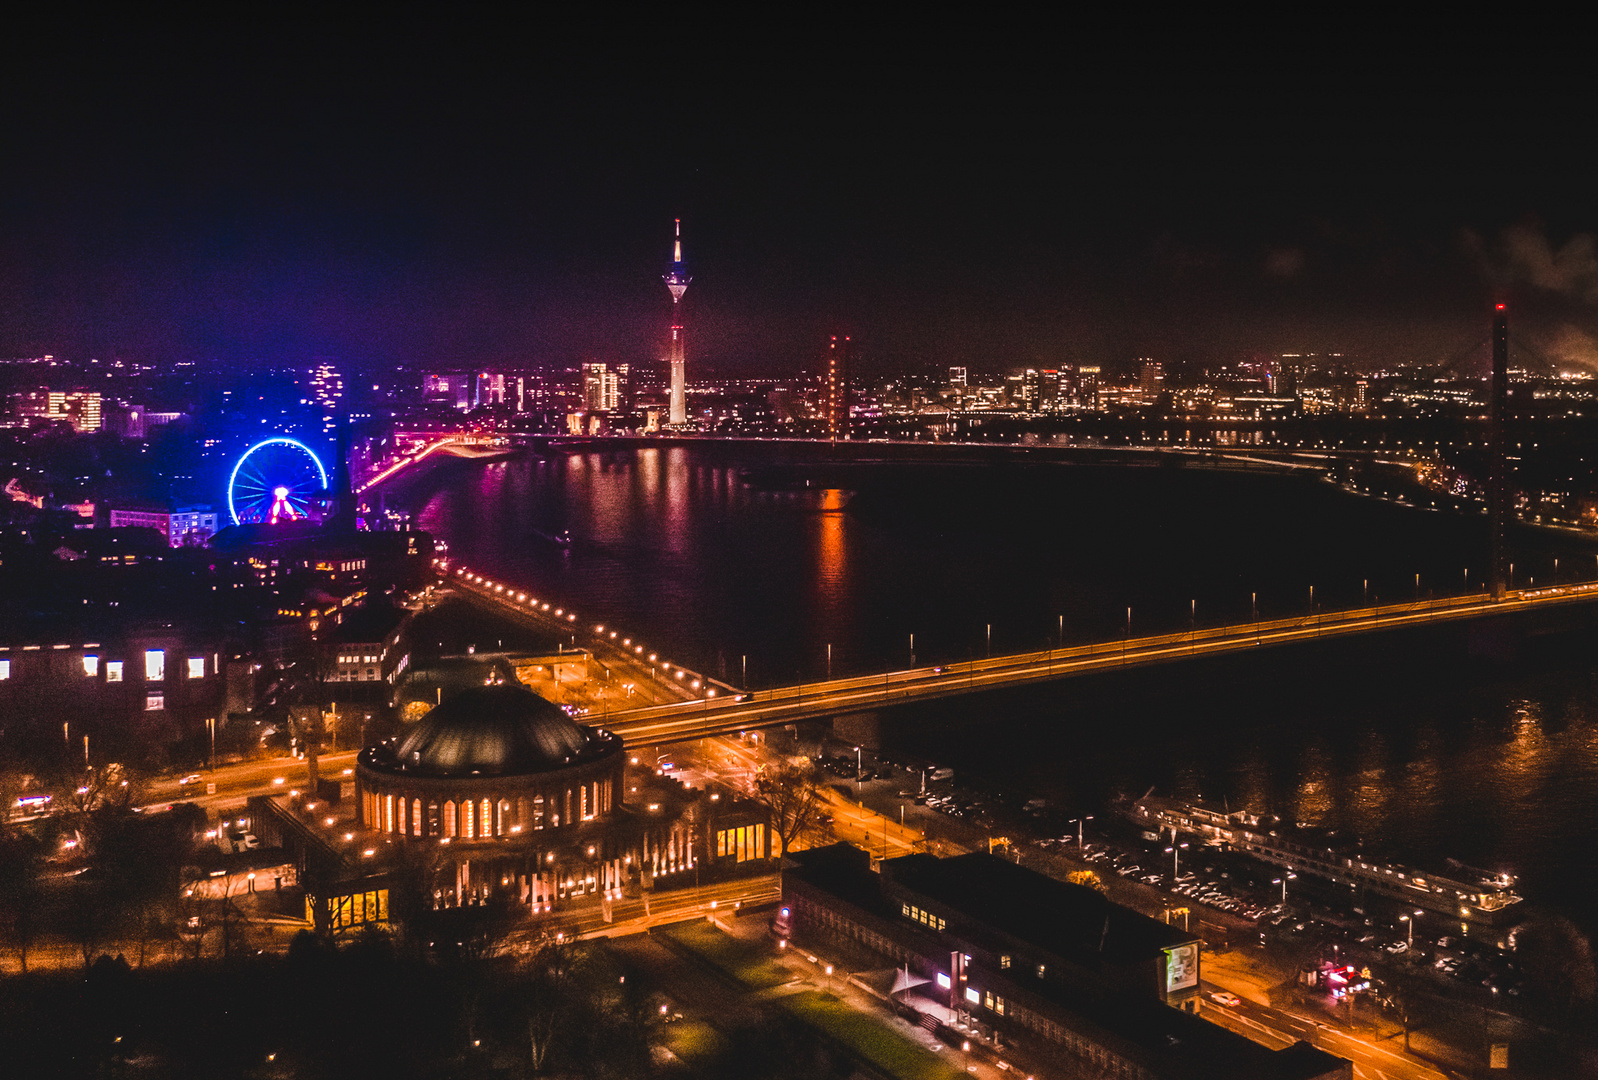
(677, 283)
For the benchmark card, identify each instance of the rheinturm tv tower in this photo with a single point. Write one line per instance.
(677, 281)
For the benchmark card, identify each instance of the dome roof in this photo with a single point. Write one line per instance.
(491, 731)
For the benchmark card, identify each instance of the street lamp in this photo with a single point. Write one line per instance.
(1176, 859)
(1078, 822)
(1282, 881)
(1410, 921)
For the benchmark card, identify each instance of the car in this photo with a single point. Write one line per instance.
(192, 778)
(1227, 998)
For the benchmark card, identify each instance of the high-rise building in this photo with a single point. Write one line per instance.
(327, 390)
(1087, 386)
(82, 407)
(624, 387)
(835, 403)
(1151, 380)
(957, 376)
(601, 388)
(490, 389)
(677, 283)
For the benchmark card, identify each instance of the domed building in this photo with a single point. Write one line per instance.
(520, 796)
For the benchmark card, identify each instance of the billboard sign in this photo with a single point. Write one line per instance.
(1181, 967)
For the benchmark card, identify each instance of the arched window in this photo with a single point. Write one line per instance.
(449, 817)
(469, 819)
(433, 823)
(401, 822)
(504, 817)
(416, 817)
(488, 819)
(388, 813)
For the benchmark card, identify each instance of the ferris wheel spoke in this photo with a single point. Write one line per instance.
(276, 479)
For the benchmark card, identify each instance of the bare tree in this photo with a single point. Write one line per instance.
(21, 894)
(548, 996)
(791, 796)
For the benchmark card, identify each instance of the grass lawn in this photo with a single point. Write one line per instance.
(747, 963)
(869, 1038)
(694, 1041)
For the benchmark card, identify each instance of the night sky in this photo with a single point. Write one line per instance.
(995, 196)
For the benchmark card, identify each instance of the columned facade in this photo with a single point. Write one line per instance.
(521, 799)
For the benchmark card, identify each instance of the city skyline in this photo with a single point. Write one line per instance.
(265, 200)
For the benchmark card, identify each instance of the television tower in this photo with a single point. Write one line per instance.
(677, 281)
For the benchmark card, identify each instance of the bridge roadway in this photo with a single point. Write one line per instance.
(726, 710)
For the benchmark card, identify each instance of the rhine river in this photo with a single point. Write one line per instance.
(725, 555)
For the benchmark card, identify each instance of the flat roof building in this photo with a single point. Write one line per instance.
(1004, 952)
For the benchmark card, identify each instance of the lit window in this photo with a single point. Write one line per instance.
(972, 996)
(1040, 971)
(1004, 960)
(155, 664)
(943, 981)
(5, 669)
(113, 671)
(196, 667)
(91, 666)
(154, 702)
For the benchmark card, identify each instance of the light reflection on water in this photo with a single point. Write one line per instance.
(1443, 756)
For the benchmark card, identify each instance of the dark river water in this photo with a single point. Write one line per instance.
(720, 556)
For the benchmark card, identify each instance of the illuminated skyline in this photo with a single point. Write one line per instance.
(458, 195)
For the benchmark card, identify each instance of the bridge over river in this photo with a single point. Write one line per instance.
(708, 707)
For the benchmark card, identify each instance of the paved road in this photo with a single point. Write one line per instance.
(1276, 1028)
(234, 783)
(785, 705)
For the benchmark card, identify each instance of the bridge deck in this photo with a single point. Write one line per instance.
(786, 705)
(728, 710)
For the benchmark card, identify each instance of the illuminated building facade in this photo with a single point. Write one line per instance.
(327, 390)
(522, 798)
(601, 388)
(164, 682)
(1053, 969)
(835, 392)
(80, 407)
(182, 526)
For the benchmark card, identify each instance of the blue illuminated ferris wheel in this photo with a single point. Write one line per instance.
(277, 479)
